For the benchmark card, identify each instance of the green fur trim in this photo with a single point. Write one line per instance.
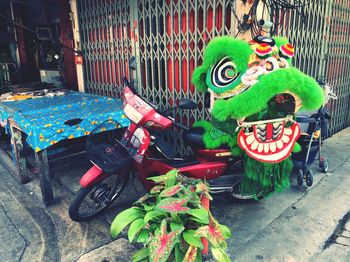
(215, 138)
(280, 40)
(238, 50)
(259, 176)
(228, 126)
(296, 148)
(265, 177)
(257, 97)
(198, 78)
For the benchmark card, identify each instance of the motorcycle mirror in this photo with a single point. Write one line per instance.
(207, 100)
(132, 63)
(185, 103)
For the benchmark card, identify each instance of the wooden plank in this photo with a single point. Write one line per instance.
(42, 163)
(20, 159)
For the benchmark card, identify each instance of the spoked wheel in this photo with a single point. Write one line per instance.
(93, 200)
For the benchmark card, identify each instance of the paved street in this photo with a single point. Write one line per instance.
(300, 224)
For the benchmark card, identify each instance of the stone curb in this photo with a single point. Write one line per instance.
(119, 250)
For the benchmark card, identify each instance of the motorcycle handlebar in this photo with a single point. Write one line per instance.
(126, 81)
(128, 84)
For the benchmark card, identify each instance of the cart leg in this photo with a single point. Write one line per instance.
(42, 163)
(20, 159)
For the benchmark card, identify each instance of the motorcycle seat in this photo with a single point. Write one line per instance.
(194, 137)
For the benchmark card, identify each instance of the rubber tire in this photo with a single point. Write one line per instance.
(246, 200)
(309, 178)
(300, 177)
(324, 164)
(79, 198)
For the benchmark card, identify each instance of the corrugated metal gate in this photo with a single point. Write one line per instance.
(173, 35)
(168, 37)
(338, 63)
(105, 31)
(322, 44)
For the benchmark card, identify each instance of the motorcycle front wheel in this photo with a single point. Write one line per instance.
(93, 200)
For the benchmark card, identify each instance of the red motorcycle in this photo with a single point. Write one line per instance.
(140, 149)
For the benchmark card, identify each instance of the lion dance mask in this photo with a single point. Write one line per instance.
(254, 93)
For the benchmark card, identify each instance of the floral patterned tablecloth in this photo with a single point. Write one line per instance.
(44, 119)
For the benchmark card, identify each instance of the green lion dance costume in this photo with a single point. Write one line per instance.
(254, 95)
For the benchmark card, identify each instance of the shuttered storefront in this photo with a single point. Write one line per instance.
(168, 37)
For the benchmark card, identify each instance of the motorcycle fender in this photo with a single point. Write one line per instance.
(93, 175)
(142, 142)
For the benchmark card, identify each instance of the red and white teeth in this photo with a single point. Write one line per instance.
(269, 143)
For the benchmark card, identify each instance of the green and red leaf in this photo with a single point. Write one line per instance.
(162, 243)
(170, 191)
(156, 189)
(203, 188)
(220, 255)
(213, 233)
(226, 232)
(168, 178)
(173, 205)
(143, 199)
(191, 254)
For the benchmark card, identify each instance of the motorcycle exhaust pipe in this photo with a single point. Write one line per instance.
(220, 189)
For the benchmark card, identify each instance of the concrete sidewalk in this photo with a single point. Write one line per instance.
(300, 224)
(30, 231)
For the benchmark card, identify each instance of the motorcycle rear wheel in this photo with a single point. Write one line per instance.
(93, 200)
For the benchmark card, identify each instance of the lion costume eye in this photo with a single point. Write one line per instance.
(224, 73)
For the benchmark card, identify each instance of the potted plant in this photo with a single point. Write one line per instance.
(173, 222)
